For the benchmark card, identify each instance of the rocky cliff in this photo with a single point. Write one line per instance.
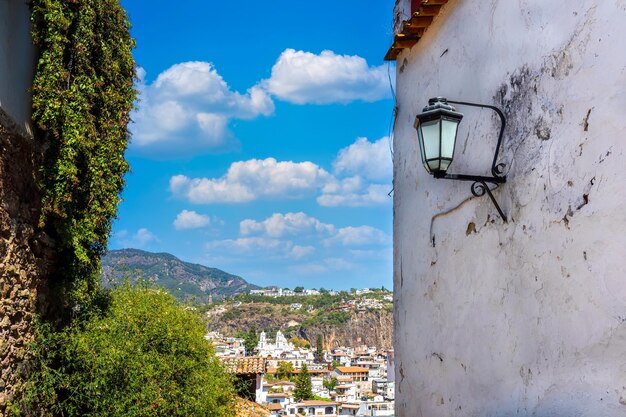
(372, 327)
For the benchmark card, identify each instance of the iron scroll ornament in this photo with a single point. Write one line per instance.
(480, 183)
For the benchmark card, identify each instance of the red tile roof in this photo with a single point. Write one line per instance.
(274, 407)
(247, 365)
(351, 369)
(277, 395)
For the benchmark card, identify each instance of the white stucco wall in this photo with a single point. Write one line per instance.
(526, 318)
(16, 63)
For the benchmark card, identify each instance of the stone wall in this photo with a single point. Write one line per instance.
(525, 318)
(25, 255)
(25, 252)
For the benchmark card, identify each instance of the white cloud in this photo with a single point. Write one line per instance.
(357, 236)
(371, 160)
(298, 252)
(187, 219)
(288, 224)
(246, 181)
(260, 246)
(250, 180)
(303, 77)
(353, 192)
(188, 109)
(144, 236)
(322, 266)
(369, 254)
(139, 239)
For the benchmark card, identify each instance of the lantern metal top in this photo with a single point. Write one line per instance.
(437, 106)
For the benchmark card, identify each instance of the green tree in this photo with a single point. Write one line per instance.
(250, 340)
(298, 290)
(319, 349)
(303, 390)
(330, 384)
(284, 371)
(145, 356)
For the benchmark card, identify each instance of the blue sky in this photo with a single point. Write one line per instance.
(260, 143)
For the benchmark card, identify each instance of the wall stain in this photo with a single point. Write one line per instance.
(586, 120)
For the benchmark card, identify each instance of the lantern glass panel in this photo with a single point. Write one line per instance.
(431, 139)
(420, 139)
(448, 138)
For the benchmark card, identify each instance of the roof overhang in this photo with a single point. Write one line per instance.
(411, 30)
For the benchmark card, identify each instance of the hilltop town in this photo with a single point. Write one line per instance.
(275, 337)
(345, 380)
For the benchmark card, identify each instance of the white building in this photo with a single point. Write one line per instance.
(281, 345)
(313, 408)
(345, 393)
(523, 318)
(384, 387)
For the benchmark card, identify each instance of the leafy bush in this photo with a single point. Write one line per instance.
(145, 356)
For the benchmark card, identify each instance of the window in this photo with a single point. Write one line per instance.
(328, 410)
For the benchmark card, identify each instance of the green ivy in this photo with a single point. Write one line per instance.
(83, 92)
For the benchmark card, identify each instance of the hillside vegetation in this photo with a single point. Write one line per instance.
(341, 319)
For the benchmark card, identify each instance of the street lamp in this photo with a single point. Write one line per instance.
(437, 128)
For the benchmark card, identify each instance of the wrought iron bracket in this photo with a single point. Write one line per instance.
(480, 187)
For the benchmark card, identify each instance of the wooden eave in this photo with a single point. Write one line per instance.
(413, 29)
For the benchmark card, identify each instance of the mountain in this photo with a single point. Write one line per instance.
(186, 281)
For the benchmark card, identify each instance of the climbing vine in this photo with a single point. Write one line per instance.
(83, 92)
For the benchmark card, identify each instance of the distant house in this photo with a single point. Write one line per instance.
(356, 373)
(314, 408)
(384, 387)
(277, 398)
(340, 357)
(349, 409)
(345, 393)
